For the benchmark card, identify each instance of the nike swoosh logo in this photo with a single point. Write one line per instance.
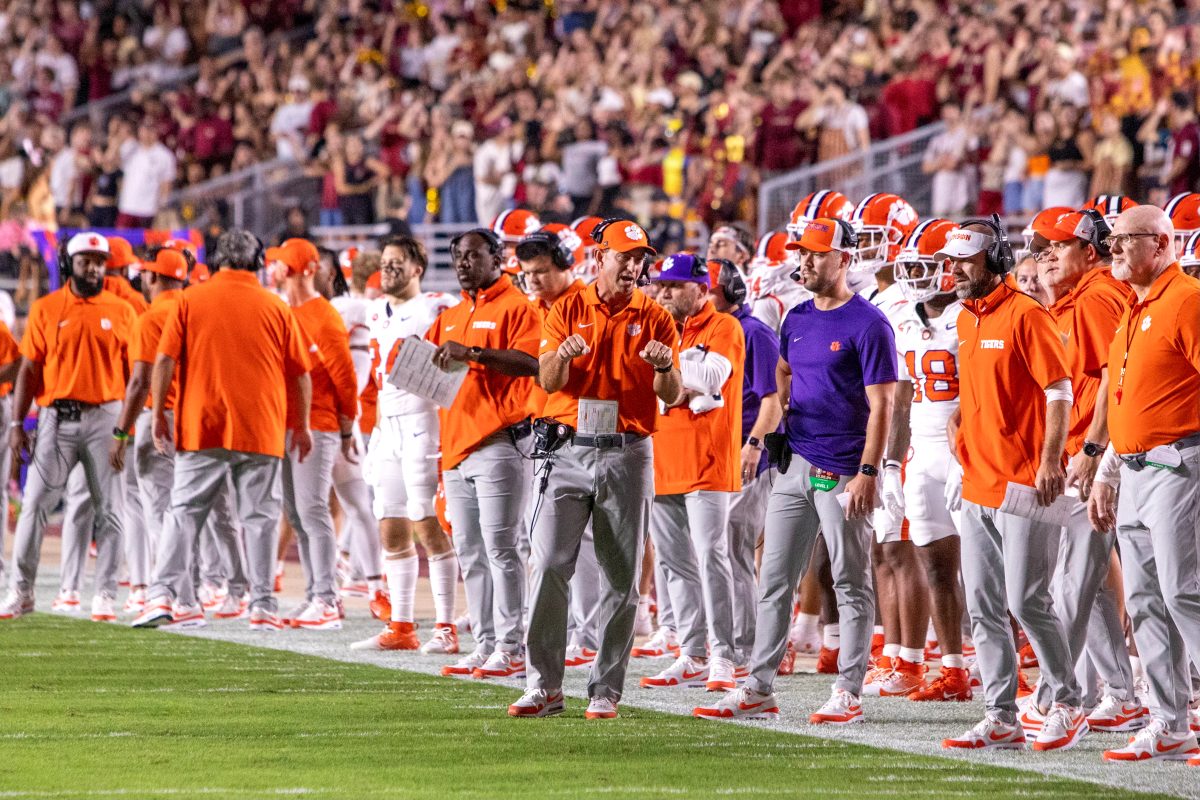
(749, 706)
(590, 324)
(999, 738)
(797, 340)
(406, 319)
(64, 323)
(1118, 330)
(418, 433)
(1159, 747)
(449, 327)
(961, 342)
(687, 676)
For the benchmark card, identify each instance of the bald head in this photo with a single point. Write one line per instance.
(1143, 245)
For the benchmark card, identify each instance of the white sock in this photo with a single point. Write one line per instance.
(808, 625)
(955, 661)
(930, 635)
(374, 585)
(833, 637)
(913, 655)
(402, 585)
(443, 580)
(878, 631)
(891, 649)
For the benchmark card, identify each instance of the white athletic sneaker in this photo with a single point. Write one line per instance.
(842, 708)
(66, 602)
(537, 703)
(232, 608)
(720, 675)
(992, 733)
(501, 665)
(319, 616)
(16, 604)
(211, 595)
(156, 612)
(1112, 715)
(743, 703)
(263, 620)
(288, 620)
(642, 624)
(444, 641)
(104, 608)
(682, 672)
(601, 708)
(136, 602)
(578, 656)
(1155, 742)
(466, 665)
(186, 617)
(1064, 727)
(662, 644)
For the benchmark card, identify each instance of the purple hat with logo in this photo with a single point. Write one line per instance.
(685, 267)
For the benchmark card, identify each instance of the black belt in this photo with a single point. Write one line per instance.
(606, 441)
(71, 410)
(1137, 461)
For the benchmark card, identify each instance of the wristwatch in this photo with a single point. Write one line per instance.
(119, 434)
(473, 353)
(870, 470)
(664, 370)
(1091, 449)
(755, 442)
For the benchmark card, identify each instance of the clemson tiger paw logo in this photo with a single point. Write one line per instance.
(634, 232)
(835, 346)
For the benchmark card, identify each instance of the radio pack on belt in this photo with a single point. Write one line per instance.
(549, 435)
(779, 454)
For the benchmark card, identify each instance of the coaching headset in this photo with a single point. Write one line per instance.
(849, 241)
(729, 280)
(998, 258)
(560, 255)
(1100, 232)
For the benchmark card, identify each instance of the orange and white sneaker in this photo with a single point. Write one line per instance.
(501, 665)
(1194, 717)
(537, 703)
(601, 708)
(662, 644)
(186, 617)
(906, 677)
(1064, 726)
(232, 607)
(1031, 719)
(827, 661)
(877, 644)
(992, 733)
(211, 595)
(157, 612)
(66, 602)
(381, 606)
(395, 636)
(288, 620)
(1155, 742)
(104, 608)
(787, 666)
(319, 616)
(842, 708)
(16, 604)
(721, 675)
(263, 620)
(135, 602)
(684, 671)
(444, 641)
(1113, 715)
(876, 675)
(1027, 656)
(952, 684)
(578, 656)
(465, 667)
(742, 703)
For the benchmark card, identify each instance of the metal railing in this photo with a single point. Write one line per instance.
(892, 165)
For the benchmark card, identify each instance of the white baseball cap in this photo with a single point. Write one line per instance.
(962, 243)
(87, 242)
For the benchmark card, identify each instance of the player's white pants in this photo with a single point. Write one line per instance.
(403, 456)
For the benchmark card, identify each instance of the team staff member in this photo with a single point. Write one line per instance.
(546, 264)
(75, 359)
(237, 348)
(10, 362)
(607, 358)
(696, 470)
(838, 359)
(308, 480)
(1010, 440)
(1154, 422)
(747, 508)
(1087, 303)
(494, 331)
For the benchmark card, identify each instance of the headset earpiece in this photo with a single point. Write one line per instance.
(1100, 232)
(730, 280)
(849, 235)
(998, 258)
(560, 255)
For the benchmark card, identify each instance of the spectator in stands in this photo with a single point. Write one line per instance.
(581, 152)
(449, 174)
(1070, 161)
(1182, 165)
(949, 160)
(224, 24)
(101, 206)
(149, 170)
(72, 172)
(356, 177)
(1112, 159)
(494, 164)
(777, 147)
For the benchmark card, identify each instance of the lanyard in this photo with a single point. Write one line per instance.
(1129, 334)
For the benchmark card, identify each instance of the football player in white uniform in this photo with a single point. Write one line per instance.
(772, 290)
(926, 398)
(403, 459)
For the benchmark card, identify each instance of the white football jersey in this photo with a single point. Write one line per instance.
(929, 358)
(389, 325)
(354, 312)
(891, 301)
(772, 293)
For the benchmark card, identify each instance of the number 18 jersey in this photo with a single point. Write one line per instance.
(928, 350)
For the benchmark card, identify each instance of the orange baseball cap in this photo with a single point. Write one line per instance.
(1044, 222)
(623, 235)
(120, 254)
(823, 235)
(200, 273)
(1073, 225)
(168, 263)
(297, 254)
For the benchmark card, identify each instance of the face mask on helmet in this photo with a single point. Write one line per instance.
(878, 246)
(921, 278)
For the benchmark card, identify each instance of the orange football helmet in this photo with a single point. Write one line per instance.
(585, 266)
(770, 250)
(1043, 219)
(882, 221)
(513, 225)
(1184, 211)
(824, 203)
(919, 274)
(1110, 206)
(569, 238)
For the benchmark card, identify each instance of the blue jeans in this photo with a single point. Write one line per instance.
(330, 216)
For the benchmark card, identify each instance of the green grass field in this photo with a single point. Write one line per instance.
(92, 710)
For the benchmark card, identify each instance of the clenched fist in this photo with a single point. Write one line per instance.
(657, 355)
(573, 347)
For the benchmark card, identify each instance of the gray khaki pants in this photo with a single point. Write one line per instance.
(795, 513)
(1157, 515)
(200, 477)
(1088, 611)
(306, 486)
(79, 522)
(614, 488)
(5, 471)
(1006, 566)
(59, 447)
(360, 534)
(586, 588)
(747, 516)
(485, 498)
(691, 542)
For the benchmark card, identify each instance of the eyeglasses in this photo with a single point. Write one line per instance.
(1122, 239)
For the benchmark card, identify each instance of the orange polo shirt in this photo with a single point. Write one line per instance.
(147, 332)
(1152, 392)
(694, 452)
(538, 395)
(82, 345)
(10, 351)
(124, 290)
(612, 370)
(334, 382)
(1008, 353)
(237, 345)
(1087, 318)
(497, 318)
